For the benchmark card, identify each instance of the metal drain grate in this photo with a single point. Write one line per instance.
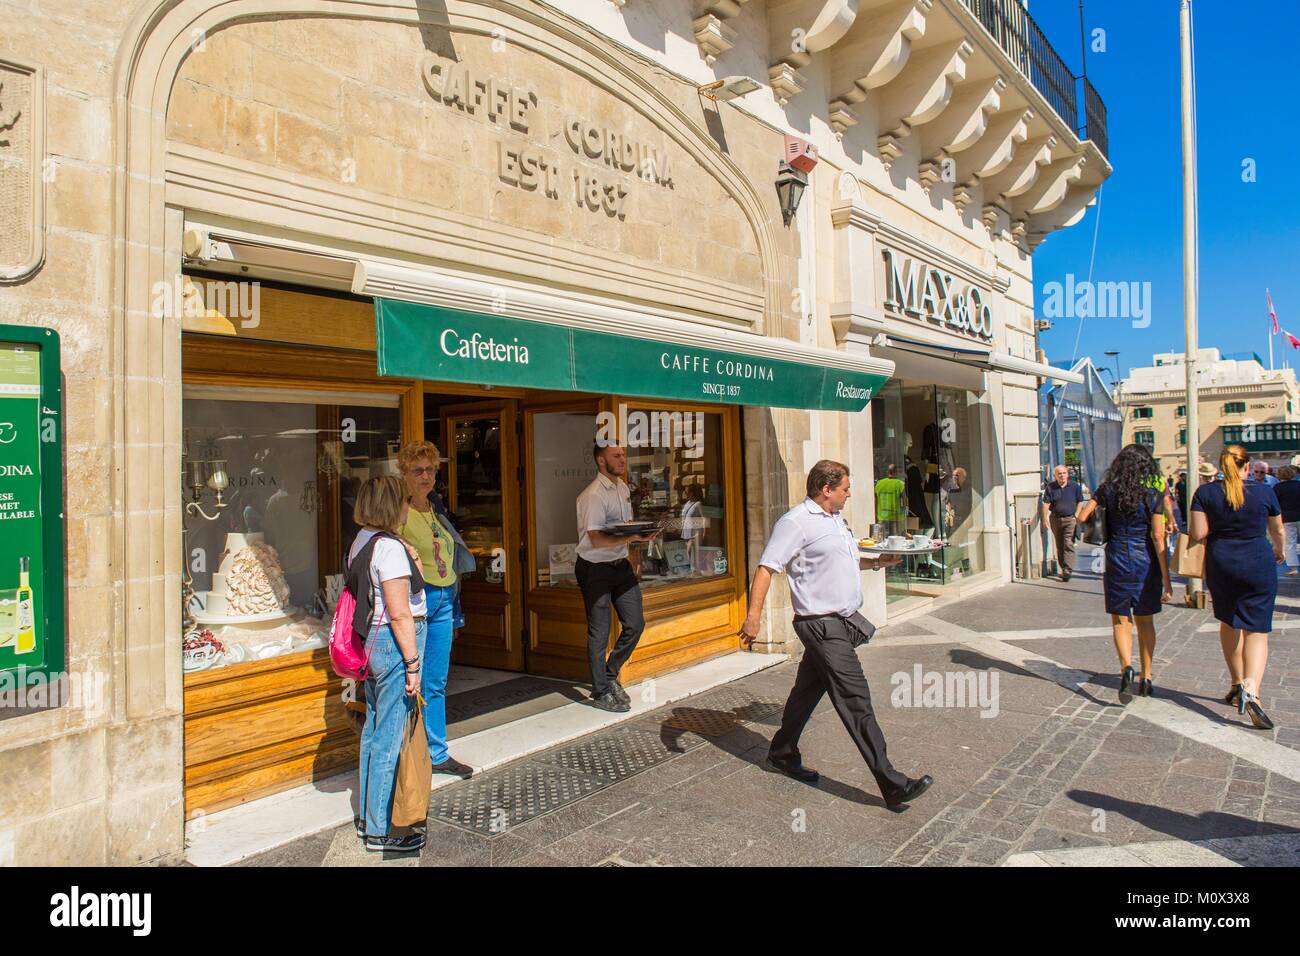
(720, 712)
(503, 799)
(622, 753)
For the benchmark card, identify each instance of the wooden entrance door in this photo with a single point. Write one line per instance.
(482, 448)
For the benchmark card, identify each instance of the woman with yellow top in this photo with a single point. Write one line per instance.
(429, 529)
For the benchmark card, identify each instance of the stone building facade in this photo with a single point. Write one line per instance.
(554, 162)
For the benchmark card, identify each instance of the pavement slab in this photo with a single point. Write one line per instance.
(1035, 761)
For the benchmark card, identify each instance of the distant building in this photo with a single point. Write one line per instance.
(1082, 425)
(1239, 402)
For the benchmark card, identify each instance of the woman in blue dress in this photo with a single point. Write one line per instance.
(1241, 523)
(1136, 579)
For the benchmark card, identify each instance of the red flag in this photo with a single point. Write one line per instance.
(1271, 313)
(1295, 342)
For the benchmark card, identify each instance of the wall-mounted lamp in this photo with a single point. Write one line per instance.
(790, 184)
(798, 159)
(729, 87)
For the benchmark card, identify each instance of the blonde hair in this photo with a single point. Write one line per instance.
(379, 503)
(413, 451)
(1233, 459)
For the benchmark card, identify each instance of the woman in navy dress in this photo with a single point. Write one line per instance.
(1136, 580)
(1241, 523)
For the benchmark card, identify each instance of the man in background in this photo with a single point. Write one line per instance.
(1259, 474)
(1061, 502)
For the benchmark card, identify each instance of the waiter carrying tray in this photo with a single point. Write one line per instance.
(606, 576)
(813, 544)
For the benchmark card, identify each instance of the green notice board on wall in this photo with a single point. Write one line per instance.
(31, 503)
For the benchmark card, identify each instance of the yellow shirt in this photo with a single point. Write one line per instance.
(425, 533)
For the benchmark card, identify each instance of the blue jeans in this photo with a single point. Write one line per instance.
(387, 710)
(437, 661)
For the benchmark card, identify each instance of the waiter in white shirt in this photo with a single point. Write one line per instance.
(814, 545)
(607, 577)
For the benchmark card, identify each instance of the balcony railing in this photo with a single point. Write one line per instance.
(1275, 436)
(1094, 118)
(1015, 31)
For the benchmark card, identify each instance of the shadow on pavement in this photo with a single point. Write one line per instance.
(1210, 825)
(1066, 677)
(748, 745)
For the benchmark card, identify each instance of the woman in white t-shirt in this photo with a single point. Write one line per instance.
(395, 635)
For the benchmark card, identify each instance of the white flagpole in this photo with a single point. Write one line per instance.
(1189, 255)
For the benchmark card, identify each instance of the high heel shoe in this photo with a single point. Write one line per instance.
(1243, 695)
(1232, 696)
(1144, 687)
(1250, 705)
(1126, 681)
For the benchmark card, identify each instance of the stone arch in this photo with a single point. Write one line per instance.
(146, 348)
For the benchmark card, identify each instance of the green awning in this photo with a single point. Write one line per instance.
(415, 340)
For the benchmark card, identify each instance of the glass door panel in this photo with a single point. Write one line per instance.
(481, 446)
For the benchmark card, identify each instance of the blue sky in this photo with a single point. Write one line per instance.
(1249, 232)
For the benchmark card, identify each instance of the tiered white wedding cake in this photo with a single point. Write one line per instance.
(249, 580)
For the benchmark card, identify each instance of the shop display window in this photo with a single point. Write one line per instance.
(927, 435)
(269, 488)
(675, 478)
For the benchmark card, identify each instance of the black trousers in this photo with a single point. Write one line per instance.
(607, 584)
(830, 665)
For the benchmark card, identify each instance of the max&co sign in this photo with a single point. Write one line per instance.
(926, 292)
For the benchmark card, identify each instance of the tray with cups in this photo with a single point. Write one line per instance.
(628, 528)
(899, 544)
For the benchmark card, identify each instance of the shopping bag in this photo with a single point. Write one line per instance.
(1189, 559)
(414, 772)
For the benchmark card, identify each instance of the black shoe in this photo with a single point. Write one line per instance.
(611, 702)
(617, 690)
(1126, 681)
(454, 767)
(796, 770)
(911, 790)
(1232, 696)
(1144, 687)
(1065, 576)
(1260, 719)
(1247, 703)
(411, 843)
(360, 825)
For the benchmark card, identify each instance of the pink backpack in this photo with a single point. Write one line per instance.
(348, 652)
